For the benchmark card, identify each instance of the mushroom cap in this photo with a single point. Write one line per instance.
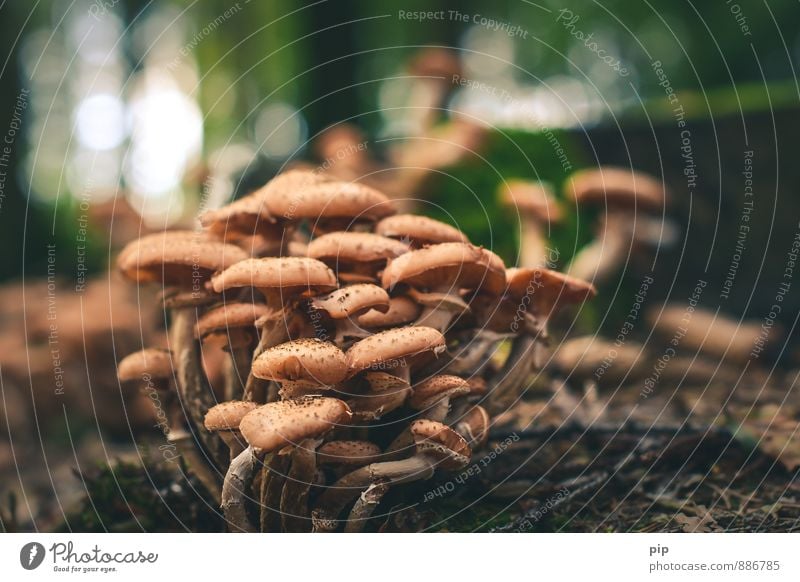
(230, 316)
(617, 187)
(290, 275)
(227, 415)
(351, 301)
(277, 424)
(179, 258)
(429, 392)
(442, 442)
(450, 265)
(354, 247)
(308, 360)
(331, 199)
(549, 289)
(419, 230)
(384, 382)
(391, 348)
(348, 453)
(153, 362)
(175, 298)
(477, 386)
(533, 199)
(402, 310)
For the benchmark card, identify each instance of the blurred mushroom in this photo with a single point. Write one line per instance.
(626, 196)
(537, 209)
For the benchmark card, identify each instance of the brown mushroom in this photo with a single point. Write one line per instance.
(418, 231)
(537, 209)
(224, 419)
(402, 310)
(446, 269)
(433, 395)
(343, 307)
(357, 257)
(626, 196)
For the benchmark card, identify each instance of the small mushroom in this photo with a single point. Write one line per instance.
(596, 359)
(447, 269)
(397, 350)
(343, 307)
(626, 196)
(474, 427)
(433, 395)
(232, 327)
(309, 363)
(431, 444)
(224, 419)
(540, 294)
(357, 257)
(537, 209)
(348, 453)
(418, 231)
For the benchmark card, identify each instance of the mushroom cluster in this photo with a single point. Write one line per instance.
(363, 348)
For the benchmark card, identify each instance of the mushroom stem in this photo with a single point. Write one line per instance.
(238, 372)
(274, 332)
(234, 491)
(333, 501)
(438, 411)
(294, 499)
(195, 393)
(472, 357)
(506, 385)
(273, 478)
(364, 506)
(195, 461)
(598, 261)
(533, 244)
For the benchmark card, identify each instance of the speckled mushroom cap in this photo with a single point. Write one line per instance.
(227, 415)
(352, 453)
(288, 276)
(429, 392)
(534, 199)
(181, 258)
(331, 199)
(442, 442)
(153, 362)
(351, 301)
(449, 266)
(402, 310)
(419, 230)
(304, 360)
(616, 187)
(385, 382)
(229, 316)
(277, 424)
(549, 289)
(346, 250)
(393, 348)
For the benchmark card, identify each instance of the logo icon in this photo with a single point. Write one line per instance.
(31, 555)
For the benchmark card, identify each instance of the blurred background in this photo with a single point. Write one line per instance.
(123, 116)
